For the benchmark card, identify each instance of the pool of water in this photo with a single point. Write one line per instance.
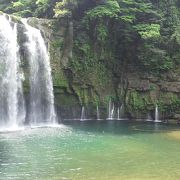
(90, 150)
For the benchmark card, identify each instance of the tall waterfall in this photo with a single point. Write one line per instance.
(12, 111)
(41, 87)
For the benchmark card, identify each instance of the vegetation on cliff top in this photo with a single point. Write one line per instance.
(144, 32)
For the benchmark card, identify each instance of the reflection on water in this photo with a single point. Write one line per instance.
(91, 150)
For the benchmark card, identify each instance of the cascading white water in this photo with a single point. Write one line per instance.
(149, 118)
(41, 87)
(12, 111)
(157, 114)
(98, 113)
(120, 112)
(83, 114)
(111, 111)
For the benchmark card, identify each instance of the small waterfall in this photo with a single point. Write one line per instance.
(149, 118)
(12, 110)
(41, 87)
(111, 111)
(157, 114)
(98, 113)
(120, 112)
(83, 114)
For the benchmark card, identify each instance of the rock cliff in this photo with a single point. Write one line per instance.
(138, 91)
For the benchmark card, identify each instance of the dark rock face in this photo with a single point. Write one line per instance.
(138, 84)
(137, 91)
(68, 46)
(170, 87)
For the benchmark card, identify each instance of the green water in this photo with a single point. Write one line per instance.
(92, 150)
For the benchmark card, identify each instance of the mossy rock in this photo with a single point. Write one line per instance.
(138, 101)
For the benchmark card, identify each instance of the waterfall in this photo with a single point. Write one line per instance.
(83, 114)
(120, 112)
(98, 114)
(41, 87)
(12, 111)
(149, 118)
(111, 111)
(157, 114)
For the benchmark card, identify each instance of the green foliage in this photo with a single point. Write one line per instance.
(102, 33)
(26, 8)
(176, 35)
(42, 2)
(42, 7)
(154, 59)
(170, 106)
(57, 44)
(147, 31)
(24, 13)
(110, 9)
(64, 8)
(137, 102)
(18, 5)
